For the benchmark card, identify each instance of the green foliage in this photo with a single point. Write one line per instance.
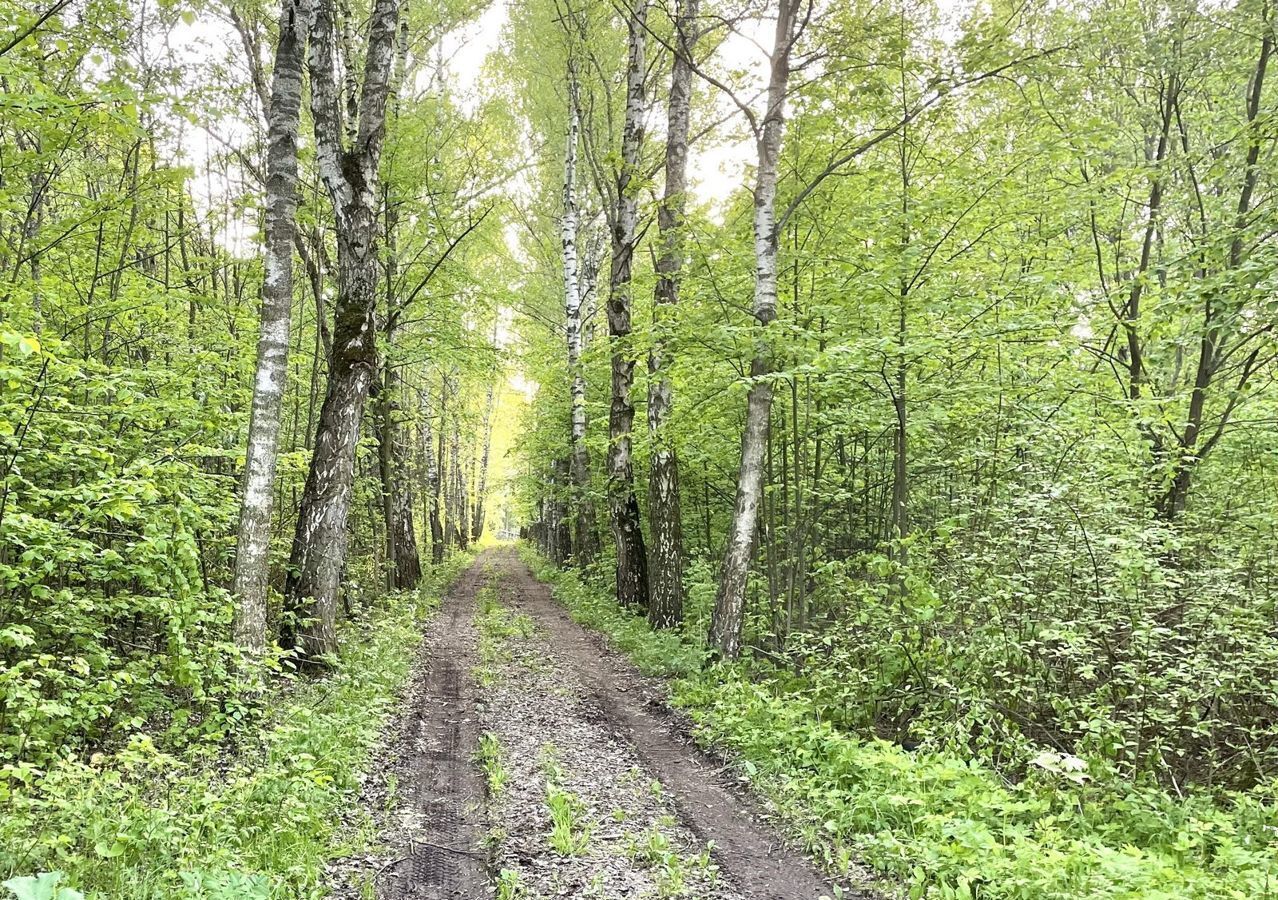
(45, 886)
(569, 832)
(256, 820)
(947, 825)
(110, 621)
(489, 758)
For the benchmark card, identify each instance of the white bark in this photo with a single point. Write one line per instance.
(351, 175)
(579, 459)
(729, 606)
(252, 558)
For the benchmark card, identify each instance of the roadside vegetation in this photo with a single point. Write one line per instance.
(252, 812)
(941, 821)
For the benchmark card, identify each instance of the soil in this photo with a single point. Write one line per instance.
(570, 726)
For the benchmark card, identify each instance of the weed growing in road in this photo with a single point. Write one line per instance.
(652, 849)
(510, 886)
(569, 831)
(489, 757)
(392, 791)
(497, 626)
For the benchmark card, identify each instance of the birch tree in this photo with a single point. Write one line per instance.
(729, 602)
(586, 539)
(252, 558)
(350, 175)
(623, 507)
(665, 525)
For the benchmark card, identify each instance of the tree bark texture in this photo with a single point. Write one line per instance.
(623, 507)
(665, 523)
(727, 621)
(252, 556)
(350, 176)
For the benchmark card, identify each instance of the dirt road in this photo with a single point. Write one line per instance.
(533, 762)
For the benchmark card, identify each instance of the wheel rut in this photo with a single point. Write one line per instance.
(753, 862)
(440, 825)
(531, 761)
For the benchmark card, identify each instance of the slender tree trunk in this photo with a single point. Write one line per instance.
(665, 522)
(252, 557)
(729, 605)
(457, 525)
(623, 507)
(481, 486)
(397, 489)
(443, 487)
(587, 541)
(430, 487)
(319, 543)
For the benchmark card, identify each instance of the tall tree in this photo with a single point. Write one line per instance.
(350, 175)
(252, 558)
(665, 525)
(586, 539)
(623, 506)
(729, 602)
(481, 482)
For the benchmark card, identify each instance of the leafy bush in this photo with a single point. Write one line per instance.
(940, 820)
(211, 823)
(114, 513)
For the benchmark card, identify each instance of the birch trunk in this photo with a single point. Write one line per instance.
(252, 556)
(430, 487)
(729, 602)
(623, 507)
(587, 541)
(665, 525)
(350, 175)
(481, 486)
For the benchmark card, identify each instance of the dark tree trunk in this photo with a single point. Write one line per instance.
(623, 507)
(665, 523)
(350, 175)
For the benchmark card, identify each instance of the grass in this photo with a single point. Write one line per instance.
(253, 823)
(489, 758)
(940, 825)
(569, 830)
(497, 625)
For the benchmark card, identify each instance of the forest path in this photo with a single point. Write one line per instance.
(532, 752)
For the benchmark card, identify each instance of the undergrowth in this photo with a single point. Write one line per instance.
(942, 825)
(255, 821)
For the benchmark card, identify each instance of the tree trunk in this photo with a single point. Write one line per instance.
(397, 491)
(729, 604)
(587, 541)
(430, 484)
(665, 524)
(458, 532)
(623, 507)
(319, 543)
(405, 568)
(481, 487)
(252, 556)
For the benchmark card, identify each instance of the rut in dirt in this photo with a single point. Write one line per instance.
(586, 787)
(439, 824)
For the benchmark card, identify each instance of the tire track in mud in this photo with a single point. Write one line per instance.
(561, 685)
(440, 839)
